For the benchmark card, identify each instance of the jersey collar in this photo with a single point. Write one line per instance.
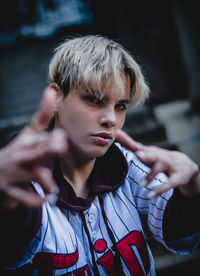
(107, 175)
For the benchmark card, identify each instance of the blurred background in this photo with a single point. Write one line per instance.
(164, 38)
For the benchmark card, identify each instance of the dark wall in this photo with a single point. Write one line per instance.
(163, 36)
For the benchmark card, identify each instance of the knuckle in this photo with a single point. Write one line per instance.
(162, 163)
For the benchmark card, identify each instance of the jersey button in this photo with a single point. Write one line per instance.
(91, 218)
(94, 235)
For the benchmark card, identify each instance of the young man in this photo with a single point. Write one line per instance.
(111, 196)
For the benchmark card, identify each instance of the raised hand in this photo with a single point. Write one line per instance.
(182, 172)
(21, 159)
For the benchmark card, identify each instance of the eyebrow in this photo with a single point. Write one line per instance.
(124, 101)
(101, 96)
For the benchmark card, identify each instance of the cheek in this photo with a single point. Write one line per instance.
(120, 120)
(65, 116)
(75, 119)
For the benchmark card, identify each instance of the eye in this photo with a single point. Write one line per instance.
(93, 99)
(121, 106)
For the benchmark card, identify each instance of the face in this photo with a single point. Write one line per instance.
(91, 120)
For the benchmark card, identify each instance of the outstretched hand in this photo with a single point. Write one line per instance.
(182, 172)
(21, 159)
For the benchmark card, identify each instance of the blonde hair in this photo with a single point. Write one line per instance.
(93, 60)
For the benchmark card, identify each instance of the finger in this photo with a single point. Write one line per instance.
(42, 117)
(172, 182)
(43, 147)
(44, 176)
(125, 140)
(155, 170)
(148, 155)
(24, 197)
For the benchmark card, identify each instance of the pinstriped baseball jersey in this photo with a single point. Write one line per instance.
(72, 241)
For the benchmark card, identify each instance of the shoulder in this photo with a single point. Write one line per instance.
(134, 164)
(138, 170)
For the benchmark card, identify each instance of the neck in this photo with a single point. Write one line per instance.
(76, 172)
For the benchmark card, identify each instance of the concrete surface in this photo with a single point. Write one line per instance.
(182, 127)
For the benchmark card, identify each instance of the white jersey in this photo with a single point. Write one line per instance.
(62, 240)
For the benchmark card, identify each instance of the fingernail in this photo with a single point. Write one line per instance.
(51, 199)
(151, 194)
(143, 182)
(140, 154)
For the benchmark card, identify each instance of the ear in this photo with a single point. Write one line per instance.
(59, 93)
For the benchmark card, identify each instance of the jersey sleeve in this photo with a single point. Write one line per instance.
(181, 226)
(158, 215)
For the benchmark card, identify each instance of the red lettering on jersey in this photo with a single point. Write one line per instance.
(134, 238)
(107, 261)
(81, 271)
(100, 245)
(55, 261)
(124, 246)
(51, 261)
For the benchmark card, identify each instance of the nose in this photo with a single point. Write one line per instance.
(108, 118)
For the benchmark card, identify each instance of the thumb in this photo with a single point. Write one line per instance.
(41, 118)
(125, 140)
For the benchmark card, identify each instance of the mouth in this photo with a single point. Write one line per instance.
(103, 138)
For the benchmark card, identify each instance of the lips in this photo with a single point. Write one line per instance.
(104, 135)
(102, 138)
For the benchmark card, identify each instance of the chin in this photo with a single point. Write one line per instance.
(99, 151)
